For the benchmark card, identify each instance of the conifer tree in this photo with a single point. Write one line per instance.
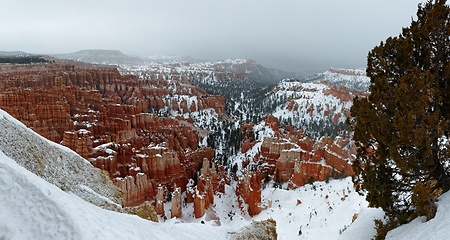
(402, 128)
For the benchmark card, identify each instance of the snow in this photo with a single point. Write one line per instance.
(309, 97)
(350, 78)
(434, 229)
(56, 164)
(34, 209)
(319, 216)
(324, 210)
(419, 229)
(364, 226)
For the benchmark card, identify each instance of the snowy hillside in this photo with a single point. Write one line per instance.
(31, 208)
(435, 229)
(13, 54)
(163, 63)
(355, 79)
(56, 164)
(35, 209)
(318, 108)
(324, 212)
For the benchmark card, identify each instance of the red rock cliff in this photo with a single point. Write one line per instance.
(109, 119)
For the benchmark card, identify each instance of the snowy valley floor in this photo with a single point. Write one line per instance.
(324, 212)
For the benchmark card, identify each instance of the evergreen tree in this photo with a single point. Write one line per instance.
(402, 128)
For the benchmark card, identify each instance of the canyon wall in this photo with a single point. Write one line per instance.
(117, 122)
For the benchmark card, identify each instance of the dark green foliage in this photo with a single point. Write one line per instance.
(245, 100)
(311, 180)
(316, 129)
(169, 196)
(399, 128)
(23, 59)
(234, 170)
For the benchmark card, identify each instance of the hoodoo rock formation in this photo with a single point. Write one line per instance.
(160, 200)
(291, 156)
(176, 210)
(115, 121)
(150, 130)
(210, 181)
(248, 191)
(288, 156)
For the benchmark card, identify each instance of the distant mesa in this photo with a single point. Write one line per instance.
(255, 71)
(13, 54)
(18, 57)
(107, 57)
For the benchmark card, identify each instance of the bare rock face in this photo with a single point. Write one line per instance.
(137, 189)
(204, 191)
(176, 210)
(305, 172)
(247, 144)
(303, 162)
(79, 141)
(160, 200)
(145, 211)
(289, 157)
(200, 206)
(162, 165)
(248, 136)
(108, 118)
(39, 110)
(292, 157)
(210, 181)
(248, 191)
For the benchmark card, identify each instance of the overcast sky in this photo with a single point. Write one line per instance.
(296, 35)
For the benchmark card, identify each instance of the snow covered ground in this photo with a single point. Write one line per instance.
(56, 164)
(435, 229)
(313, 104)
(325, 211)
(32, 208)
(350, 78)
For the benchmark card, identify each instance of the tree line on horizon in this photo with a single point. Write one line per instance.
(23, 59)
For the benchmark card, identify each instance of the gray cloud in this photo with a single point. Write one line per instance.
(303, 36)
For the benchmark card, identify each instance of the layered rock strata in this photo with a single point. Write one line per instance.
(115, 121)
